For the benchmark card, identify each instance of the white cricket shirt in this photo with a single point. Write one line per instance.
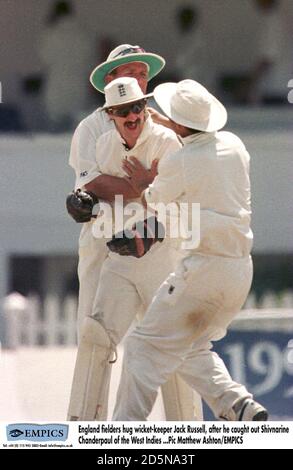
(83, 146)
(212, 169)
(154, 142)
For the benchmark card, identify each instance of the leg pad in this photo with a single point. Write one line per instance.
(90, 386)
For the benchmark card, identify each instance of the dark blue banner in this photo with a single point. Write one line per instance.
(263, 362)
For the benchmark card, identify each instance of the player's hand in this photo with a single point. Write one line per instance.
(80, 205)
(138, 241)
(137, 175)
(159, 118)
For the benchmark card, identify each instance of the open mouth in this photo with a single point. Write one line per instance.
(132, 125)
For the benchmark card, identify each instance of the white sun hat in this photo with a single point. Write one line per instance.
(123, 90)
(190, 104)
(124, 54)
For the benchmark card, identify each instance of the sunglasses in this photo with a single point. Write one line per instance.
(123, 111)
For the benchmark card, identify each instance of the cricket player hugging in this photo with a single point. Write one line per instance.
(127, 284)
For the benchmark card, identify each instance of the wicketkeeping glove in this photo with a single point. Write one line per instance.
(138, 241)
(80, 205)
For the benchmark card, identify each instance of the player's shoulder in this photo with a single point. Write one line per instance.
(161, 131)
(175, 155)
(229, 138)
(108, 137)
(95, 123)
(91, 120)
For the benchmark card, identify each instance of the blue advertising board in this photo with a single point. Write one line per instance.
(263, 362)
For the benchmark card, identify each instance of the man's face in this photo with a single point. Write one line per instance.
(136, 70)
(129, 120)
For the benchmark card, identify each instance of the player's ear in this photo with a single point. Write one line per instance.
(110, 115)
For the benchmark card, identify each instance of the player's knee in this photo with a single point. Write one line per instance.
(92, 331)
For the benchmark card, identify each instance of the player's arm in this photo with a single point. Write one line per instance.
(80, 203)
(168, 185)
(90, 183)
(137, 175)
(159, 118)
(107, 187)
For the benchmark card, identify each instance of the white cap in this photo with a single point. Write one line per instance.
(122, 91)
(190, 104)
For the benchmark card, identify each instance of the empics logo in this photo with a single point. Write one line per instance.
(37, 432)
(15, 433)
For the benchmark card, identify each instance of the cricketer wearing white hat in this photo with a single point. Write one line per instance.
(121, 62)
(122, 91)
(125, 54)
(190, 104)
(106, 182)
(196, 303)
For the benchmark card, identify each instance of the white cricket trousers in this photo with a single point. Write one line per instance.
(126, 289)
(127, 286)
(193, 307)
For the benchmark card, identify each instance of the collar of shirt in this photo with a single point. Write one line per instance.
(201, 137)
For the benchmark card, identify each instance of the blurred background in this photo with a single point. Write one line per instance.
(240, 50)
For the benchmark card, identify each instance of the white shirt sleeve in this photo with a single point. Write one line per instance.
(168, 185)
(83, 148)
